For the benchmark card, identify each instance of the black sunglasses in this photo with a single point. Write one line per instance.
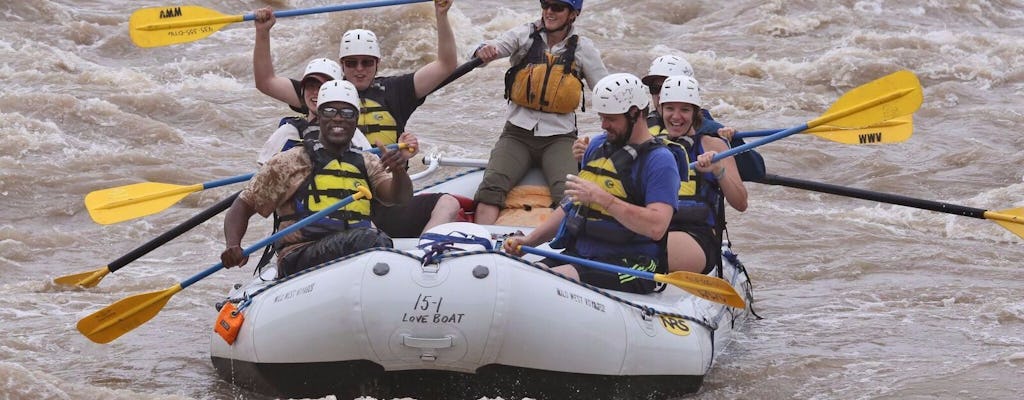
(365, 62)
(331, 112)
(655, 89)
(554, 7)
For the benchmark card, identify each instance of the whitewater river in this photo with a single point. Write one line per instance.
(860, 300)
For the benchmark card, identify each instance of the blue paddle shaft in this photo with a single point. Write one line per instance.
(589, 263)
(771, 138)
(272, 238)
(339, 7)
(226, 181)
(766, 132)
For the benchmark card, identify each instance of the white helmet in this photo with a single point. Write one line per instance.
(359, 42)
(616, 93)
(323, 66)
(342, 91)
(667, 66)
(680, 89)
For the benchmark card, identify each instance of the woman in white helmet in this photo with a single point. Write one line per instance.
(622, 200)
(387, 104)
(550, 61)
(695, 237)
(293, 130)
(660, 69)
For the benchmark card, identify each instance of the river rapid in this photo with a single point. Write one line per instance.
(860, 300)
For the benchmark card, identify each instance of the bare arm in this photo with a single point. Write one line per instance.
(431, 75)
(730, 181)
(651, 221)
(267, 83)
(236, 222)
(542, 233)
(398, 189)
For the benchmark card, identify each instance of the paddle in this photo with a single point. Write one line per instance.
(129, 313)
(883, 99)
(459, 72)
(163, 26)
(122, 203)
(700, 285)
(892, 131)
(1011, 219)
(92, 278)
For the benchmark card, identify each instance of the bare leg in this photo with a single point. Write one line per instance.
(684, 254)
(567, 270)
(486, 214)
(446, 210)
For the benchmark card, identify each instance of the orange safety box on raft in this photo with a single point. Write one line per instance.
(229, 322)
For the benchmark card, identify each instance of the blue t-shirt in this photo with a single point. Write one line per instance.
(659, 178)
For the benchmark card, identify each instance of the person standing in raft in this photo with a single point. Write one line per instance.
(622, 200)
(387, 103)
(544, 87)
(303, 180)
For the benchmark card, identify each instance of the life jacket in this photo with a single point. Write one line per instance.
(375, 120)
(307, 131)
(611, 169)
(333, 177)
(545, 82)
(691, 209)
(708, 189)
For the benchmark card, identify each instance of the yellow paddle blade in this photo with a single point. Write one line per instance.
(162, 26)
(883, 99)
(1011, 219)
(119, 318)
(892, 131)
(704, 286)
(122, 203)
(85, 279)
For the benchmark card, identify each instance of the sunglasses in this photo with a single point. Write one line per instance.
(365, 62)
(554, 7)
(331, 112)
(655, 89)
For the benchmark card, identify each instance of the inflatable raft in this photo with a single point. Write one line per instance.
(448, 316)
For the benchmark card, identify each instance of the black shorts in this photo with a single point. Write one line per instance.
(408, 220)
(615, 281)
(707, 241)
(331, 247)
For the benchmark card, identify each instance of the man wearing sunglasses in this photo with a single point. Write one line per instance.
(544, 87)
(303, 180)
(387, 103)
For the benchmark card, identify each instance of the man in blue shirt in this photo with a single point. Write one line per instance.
(623, 198)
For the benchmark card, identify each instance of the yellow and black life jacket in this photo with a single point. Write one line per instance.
(334, 177)
(545, 82)
(704, 206)
(692, 208)
(611, 169)
(377, 123)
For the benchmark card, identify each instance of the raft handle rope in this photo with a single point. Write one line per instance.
(442, 243)
(646, 310)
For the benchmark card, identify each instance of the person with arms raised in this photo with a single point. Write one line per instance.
(386, 105)
(305, 179)
(622, 200)
(550, 61)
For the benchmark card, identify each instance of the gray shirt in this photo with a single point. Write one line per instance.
(515, 44)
